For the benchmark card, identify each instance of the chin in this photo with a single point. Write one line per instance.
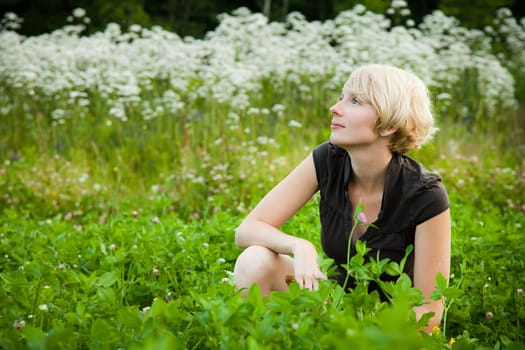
(337, 141)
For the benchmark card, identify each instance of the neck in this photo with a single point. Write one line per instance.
(369, 167)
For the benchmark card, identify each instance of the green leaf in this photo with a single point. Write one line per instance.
(103, 249)
(35, 337)
(408, 251)
(441, 281)
(361, 248)
(423, 321)
(393, 269)
(323, 262)
(107, 279)
(441, 286)
(58, 339)
(254, 296)
(102, 334)
(265, 329)
(106, 295)
(11, 339)
(453, 292)
(165, 341)
(442, 289)
(358, 210)
(130, 318)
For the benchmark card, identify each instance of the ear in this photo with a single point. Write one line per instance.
(388, 132)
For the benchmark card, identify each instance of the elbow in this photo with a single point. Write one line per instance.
(240, 240)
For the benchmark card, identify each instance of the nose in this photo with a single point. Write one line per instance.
(335, 110)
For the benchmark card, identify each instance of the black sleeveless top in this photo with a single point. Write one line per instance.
(411, 196)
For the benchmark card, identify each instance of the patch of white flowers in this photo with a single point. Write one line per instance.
(232, 62)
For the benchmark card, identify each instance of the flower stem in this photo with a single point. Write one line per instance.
(358, 210)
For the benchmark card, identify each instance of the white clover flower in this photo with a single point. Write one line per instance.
(43, 307)
(398, 3)
(135, 28)
(83, 177)
(245, 49)
(443, 96)
(118, 113)
(253, 111)
(263, 140)
(19, 324)
(79, 12)
(295, 124)
(58, 114)
(11, 16)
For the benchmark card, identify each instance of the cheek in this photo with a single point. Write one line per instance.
(367, 119)
(371, 117)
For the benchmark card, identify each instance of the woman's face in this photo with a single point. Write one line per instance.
(353, 122)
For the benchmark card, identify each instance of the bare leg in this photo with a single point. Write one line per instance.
(258, 264)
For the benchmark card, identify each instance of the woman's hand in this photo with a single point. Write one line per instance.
(307, 273)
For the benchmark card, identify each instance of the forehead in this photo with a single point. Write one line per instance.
(355, 88)
(358, 83)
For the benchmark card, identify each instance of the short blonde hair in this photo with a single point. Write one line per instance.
(401, 101)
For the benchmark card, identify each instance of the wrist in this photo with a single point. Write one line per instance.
(301, 245)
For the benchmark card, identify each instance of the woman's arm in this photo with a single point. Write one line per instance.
(261, 226)
(432, 255)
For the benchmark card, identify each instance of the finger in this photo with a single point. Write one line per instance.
(315, 284)
(303, 281)
(311, 283)
(320, 276)
(300, 280)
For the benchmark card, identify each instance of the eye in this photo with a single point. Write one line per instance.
(356, 101)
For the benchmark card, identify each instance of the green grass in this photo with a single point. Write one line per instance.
(91, 285)
(85, 264)
(82, 257)
(120, 234)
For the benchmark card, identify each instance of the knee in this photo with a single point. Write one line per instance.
(262, 266)
(255, 261)
(255, 265)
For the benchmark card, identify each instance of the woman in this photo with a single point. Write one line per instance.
(383, 113)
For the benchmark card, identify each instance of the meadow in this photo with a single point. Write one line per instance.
(129, 156)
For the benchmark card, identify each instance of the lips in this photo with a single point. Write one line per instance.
(337, 126)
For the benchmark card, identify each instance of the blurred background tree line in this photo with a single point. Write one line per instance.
(196, 17)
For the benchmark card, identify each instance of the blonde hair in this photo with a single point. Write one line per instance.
(401, 101)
